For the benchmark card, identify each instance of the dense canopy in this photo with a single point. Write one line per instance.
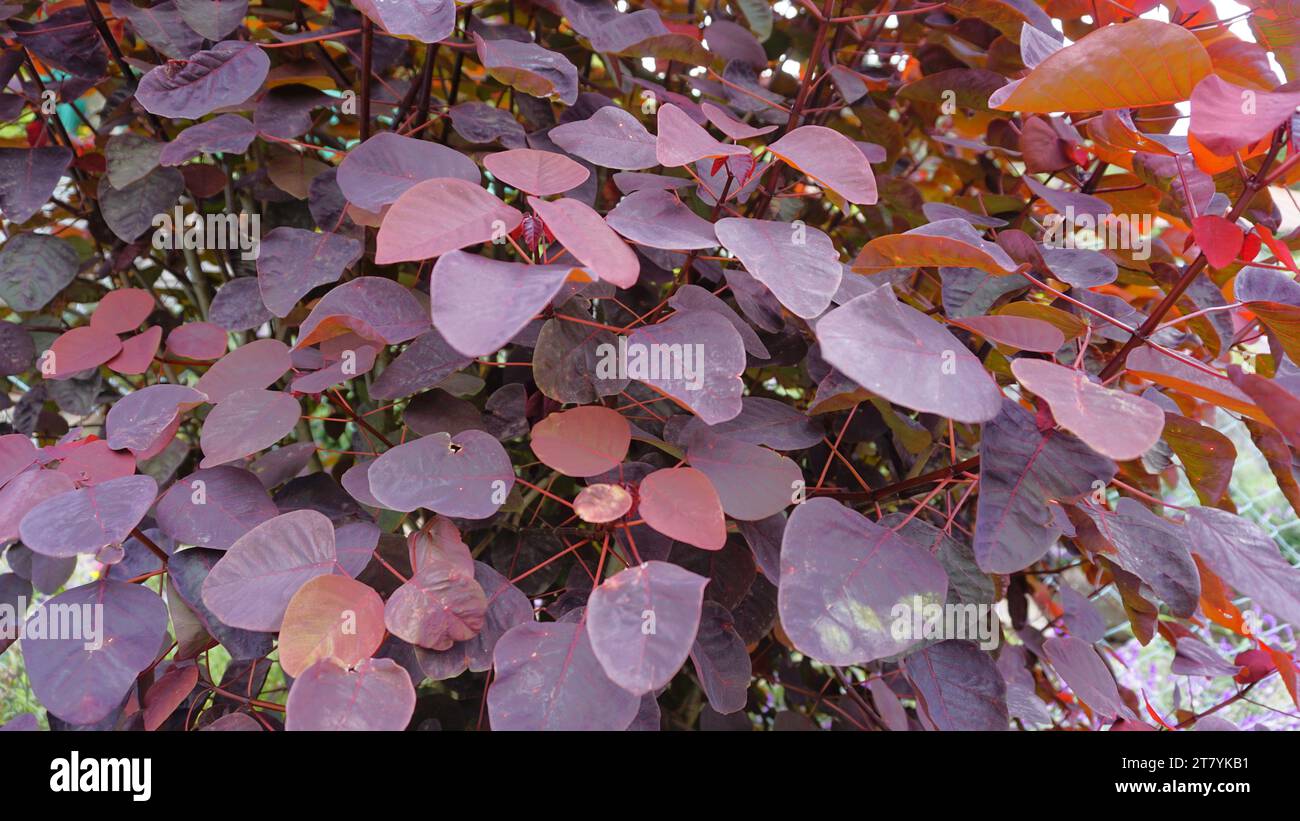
(606, 364)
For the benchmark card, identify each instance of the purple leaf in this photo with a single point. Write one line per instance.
(377, 695)
(1222, 122)
(214, 507)
(548, 678)
(1112, 422)
(425, 362)
(162, 27)
(843, 581)
(479, 122)
(898, 352)
(507, 606)
(1081, 616)
(681, 141)
(251, 585)
(642, 623)
(440, 605)
(529, 68)
(24, 492)
(82, 678)
(34, 268)
(958, 686)
(285, 110)
(213, 19)
(752, 481)
(1086, 675)
(28, 177)
(468, 475)
(1155, 550)
(694, 356)
(292, 261)
(17, 349)
(1244, 556)
(693, 297)
(227, 133)
(463, 213)
(769, 422)
(610, 138)
(373, 307)
(186, 573)
(479, 304)
(609, 30)
(733, 128)
(89, 519)
(1196, 658)
(542, 173)
(65, 39)
(253, 366)
(17, 453)
(133, 210)
(660, 220)
(764, 538)
(799, 263)
(426, 20)
(831, 159)
(225, 75)
(586, 235)
(721, 660)
(377, 172)
(200, 341)
(246, 422)
(1022, 469)
(140, 417)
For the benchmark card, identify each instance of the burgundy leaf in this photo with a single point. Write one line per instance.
(846, 582)
(227, 74)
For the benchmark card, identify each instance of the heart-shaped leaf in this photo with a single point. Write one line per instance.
(246, 422)
(845, 581)
(548, 678)
(905, 356)
(116, 631)
(541, 173)
(428, 21)
(226, 74)
(468, 475)
(610, 138)
(214, 507)
(330, 617)
(800, 264)
(1113, 423)
(463, 212)
(376, 695)
(140, 417)
(479, 304)
(1022, 468)
(584, 441)
(682, 504)
(89, 519)
(251, 586)
(642, 623)
(440, 605)
(831, 159)
(586, 235)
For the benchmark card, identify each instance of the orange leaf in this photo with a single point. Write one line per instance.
(1135, 64)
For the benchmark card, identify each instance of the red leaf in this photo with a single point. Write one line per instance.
(1218, 239)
